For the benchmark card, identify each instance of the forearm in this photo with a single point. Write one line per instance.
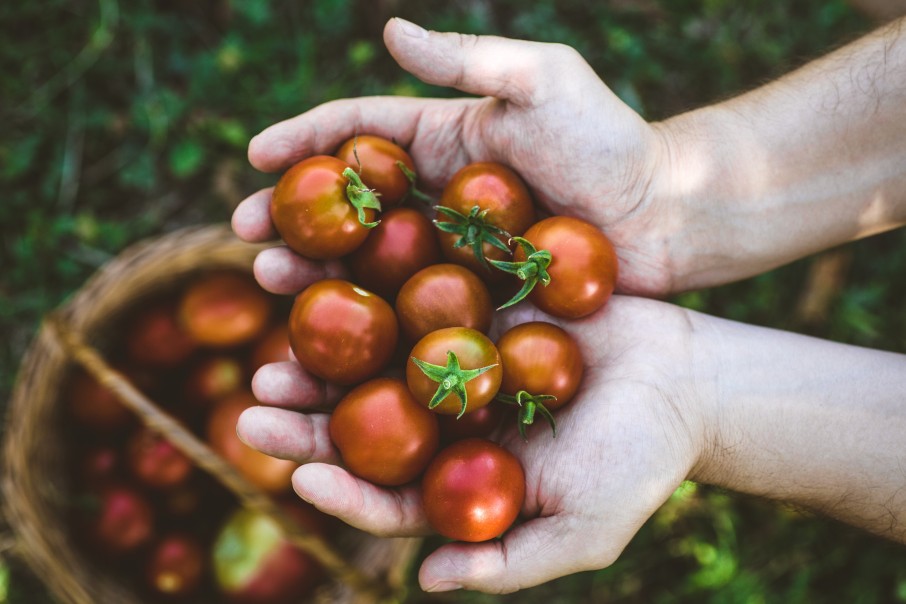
(815, 159)
(819, 424)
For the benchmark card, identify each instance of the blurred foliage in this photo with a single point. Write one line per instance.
(125, 120)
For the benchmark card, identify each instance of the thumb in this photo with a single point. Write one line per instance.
(513, 70)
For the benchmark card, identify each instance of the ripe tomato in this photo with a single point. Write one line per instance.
(540, 358)
(224, 309)
(213, 377)
(443, 295)
(383, 434)
(313, 209)
(176, 565)
(400, 246)
(94, 406)
(375, 159)
(473, 351)
(582, 269)
(342, 333)
(500, 192)
(120, 520)
(272, 348)
(155, 461)
(473, 490)
(154, 336)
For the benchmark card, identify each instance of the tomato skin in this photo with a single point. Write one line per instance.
(443, 295)
(473, 349)
(312, 213)
(497, 189)
(155, 338)
(383, 434)
(541, 358)
(224, 309)
(378, 169)
(342, 333)
(473, 490)
(583, 268)
(400, 246)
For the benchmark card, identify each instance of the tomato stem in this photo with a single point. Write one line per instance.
(529, 404)
(474, 231)
(361, 197)
(413, 188)
(451, 379)
(531, 271)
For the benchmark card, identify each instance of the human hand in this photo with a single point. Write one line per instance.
(633, 432)
(545, 113)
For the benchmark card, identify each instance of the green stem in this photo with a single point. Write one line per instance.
(531, 271)
(361, 197)
(529, 404)
(451, 379)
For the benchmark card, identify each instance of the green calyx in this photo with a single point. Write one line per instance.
(532, 270)
(474, 231)
(529, 404)
(450, 379)
(413, 189)
(361, 197)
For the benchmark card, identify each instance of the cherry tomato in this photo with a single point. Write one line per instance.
(473, 490)
(479, 423)
(443, 295)
(311, 209)
(175, 565)
(502, 193)
(272, 348)
(94, 406)
(383, 434)
(225, 309)
(400, 246)
(342, 333)
(154, 336)
(583, 266)
(375, 159)
(473, 351)
(118, 521)
(155, 461)
(540, 358)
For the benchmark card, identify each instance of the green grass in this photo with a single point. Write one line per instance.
(126, 120)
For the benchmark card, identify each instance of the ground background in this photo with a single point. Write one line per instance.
(126, 120)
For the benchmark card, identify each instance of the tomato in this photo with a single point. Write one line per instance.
(94, 406)
(224, 309)
(120, 520)
(272, 348)
(155, 461)
(473, 490)
(383, 434)
(375, 159)
(269, 473)
(154, 336)
(312, 209)
(443, 295)
(400, 246)
(493, 188)
(582, 267)
(214, 377)
(342, 333)
(473, 351)
(540, 358)
(479, 423)
(175, 565)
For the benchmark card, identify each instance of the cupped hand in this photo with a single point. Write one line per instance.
(633, 433)
(544, 112)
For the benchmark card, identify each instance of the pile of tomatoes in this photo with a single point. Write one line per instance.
(140, 506)
(409, 331)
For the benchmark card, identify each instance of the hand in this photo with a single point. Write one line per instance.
(545, 113)
(623, 445)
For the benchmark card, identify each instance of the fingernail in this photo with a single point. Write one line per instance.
(443, 586)
(411, 29)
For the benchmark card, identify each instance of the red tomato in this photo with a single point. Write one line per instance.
(443, 295)
(311, 209)
(342, 333)
(225, 309)
(375, 159)
(540, 358)
(269, 473)
(401, 245)
(176, 565)
(492, 187)
(120, 521)
(476, 424)
(155, 337)
(473, 351)
(583, 267)
(155, 461)
(214, 377)
(473, 490)
(272, 348)
(94, 406)
(383, 434)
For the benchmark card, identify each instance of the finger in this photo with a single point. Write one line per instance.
(512, 70)
(301, 437)
(252, 218)
(530, 554)
(359, 503)
(279, 270)
(323, 129)
(287, 385)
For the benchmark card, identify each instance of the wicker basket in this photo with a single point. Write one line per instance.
(364, 568)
